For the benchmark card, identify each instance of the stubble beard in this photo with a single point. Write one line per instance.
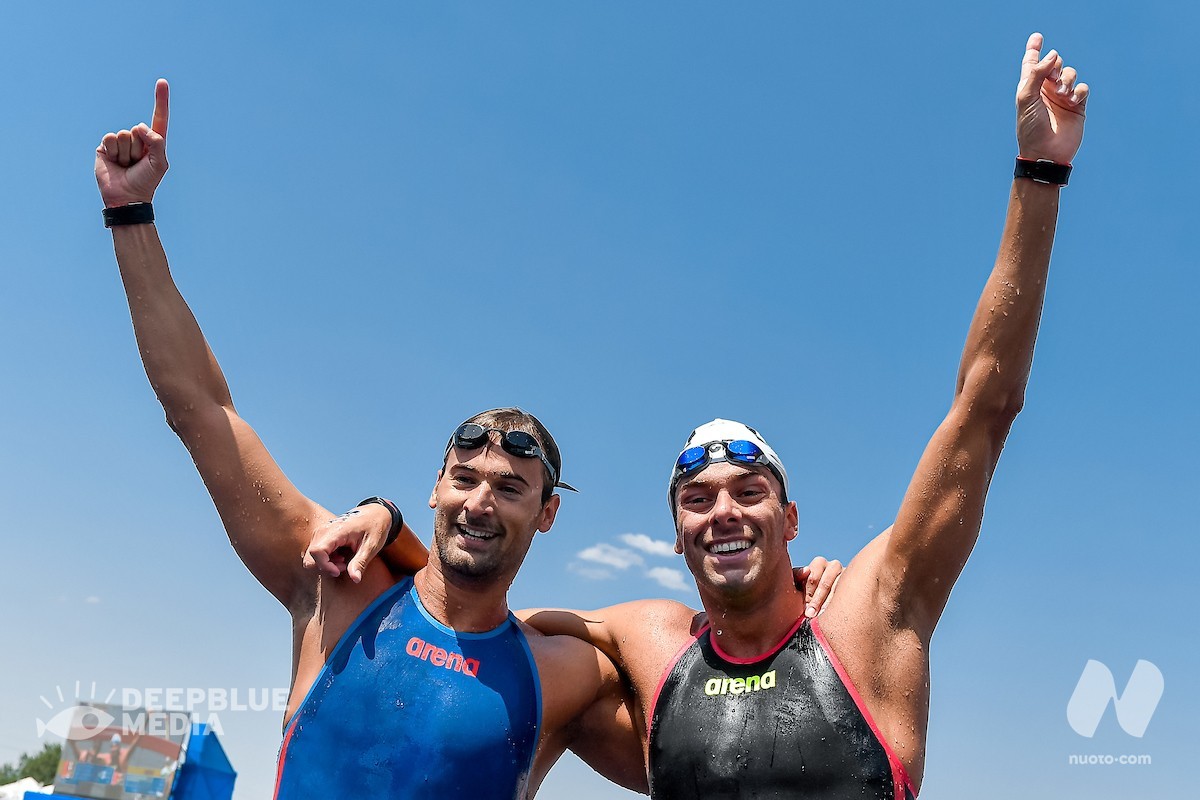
(472, 566)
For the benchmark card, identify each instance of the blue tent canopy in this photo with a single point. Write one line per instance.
(206, 773)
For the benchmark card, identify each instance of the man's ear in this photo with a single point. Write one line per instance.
(433, 494)
(792, 515)
(678, 538)
(549, 511)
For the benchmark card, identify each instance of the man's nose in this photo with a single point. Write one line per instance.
(725, 509)
(480, 500)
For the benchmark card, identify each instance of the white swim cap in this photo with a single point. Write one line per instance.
(711, 442)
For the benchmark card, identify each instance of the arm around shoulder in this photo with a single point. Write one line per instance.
(611, 629)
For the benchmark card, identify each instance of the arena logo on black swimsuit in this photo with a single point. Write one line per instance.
(716, 686)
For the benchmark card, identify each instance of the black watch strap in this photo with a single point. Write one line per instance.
(1043, 171)
(397, 517)
(132, 214)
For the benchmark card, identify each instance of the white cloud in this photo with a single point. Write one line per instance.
(617, 557)
(670, 578)
(595, 573)
(655, 547)
(91, 601)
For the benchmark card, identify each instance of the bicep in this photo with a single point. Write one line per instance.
(939, 519)
(607, 736)
(268, 520)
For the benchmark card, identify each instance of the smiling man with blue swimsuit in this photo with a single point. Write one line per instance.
(405, 685)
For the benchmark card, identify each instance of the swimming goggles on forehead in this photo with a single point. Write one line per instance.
(472, 436)
(736, 451)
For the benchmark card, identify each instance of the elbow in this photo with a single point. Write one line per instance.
(191, 421)
(181, 422)
(178, 411)
(985, 391)
(1002, 412)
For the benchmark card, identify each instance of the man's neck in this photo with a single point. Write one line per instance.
(754, 627)
(462, 604)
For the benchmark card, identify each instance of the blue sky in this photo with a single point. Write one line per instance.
(629, 220)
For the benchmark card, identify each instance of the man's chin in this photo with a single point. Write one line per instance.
(469, 566)
(729, 581)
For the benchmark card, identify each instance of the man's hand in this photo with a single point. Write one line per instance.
(130, 164)
(348, 542)
(817, 580)
(1050, 106)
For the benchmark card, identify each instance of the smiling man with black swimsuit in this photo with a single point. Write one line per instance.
(752, 698)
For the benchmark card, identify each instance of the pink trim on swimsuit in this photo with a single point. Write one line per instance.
(287, 737)
(899, 775)
(754, 659)
(666, 673)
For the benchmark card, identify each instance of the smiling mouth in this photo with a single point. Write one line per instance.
(725, 548)
(476, 534)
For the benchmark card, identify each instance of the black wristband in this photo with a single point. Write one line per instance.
(1043, 171)
(397, 517)
(132, 214)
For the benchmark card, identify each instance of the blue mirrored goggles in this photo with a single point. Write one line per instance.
(472, 436)
(736, 451)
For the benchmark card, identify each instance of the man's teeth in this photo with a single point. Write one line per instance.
(729, 547)
(474, 534)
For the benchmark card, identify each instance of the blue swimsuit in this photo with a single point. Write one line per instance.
(406, 707)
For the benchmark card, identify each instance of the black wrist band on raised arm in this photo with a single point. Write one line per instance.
(132, 214)
(397, 517)
(1043, 171)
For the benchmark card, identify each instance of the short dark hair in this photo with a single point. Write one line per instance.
(512, 418)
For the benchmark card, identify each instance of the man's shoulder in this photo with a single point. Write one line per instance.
(557, 650)
(637, 624)
(655, 613)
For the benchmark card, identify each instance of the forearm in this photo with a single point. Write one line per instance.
(589, 627)
(406, 554)
(999, 348)
(938, 523)
(178, 362)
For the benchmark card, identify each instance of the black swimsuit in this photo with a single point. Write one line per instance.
(787, 724)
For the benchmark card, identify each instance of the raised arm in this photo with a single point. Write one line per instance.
(939, 519)
(268, 520)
